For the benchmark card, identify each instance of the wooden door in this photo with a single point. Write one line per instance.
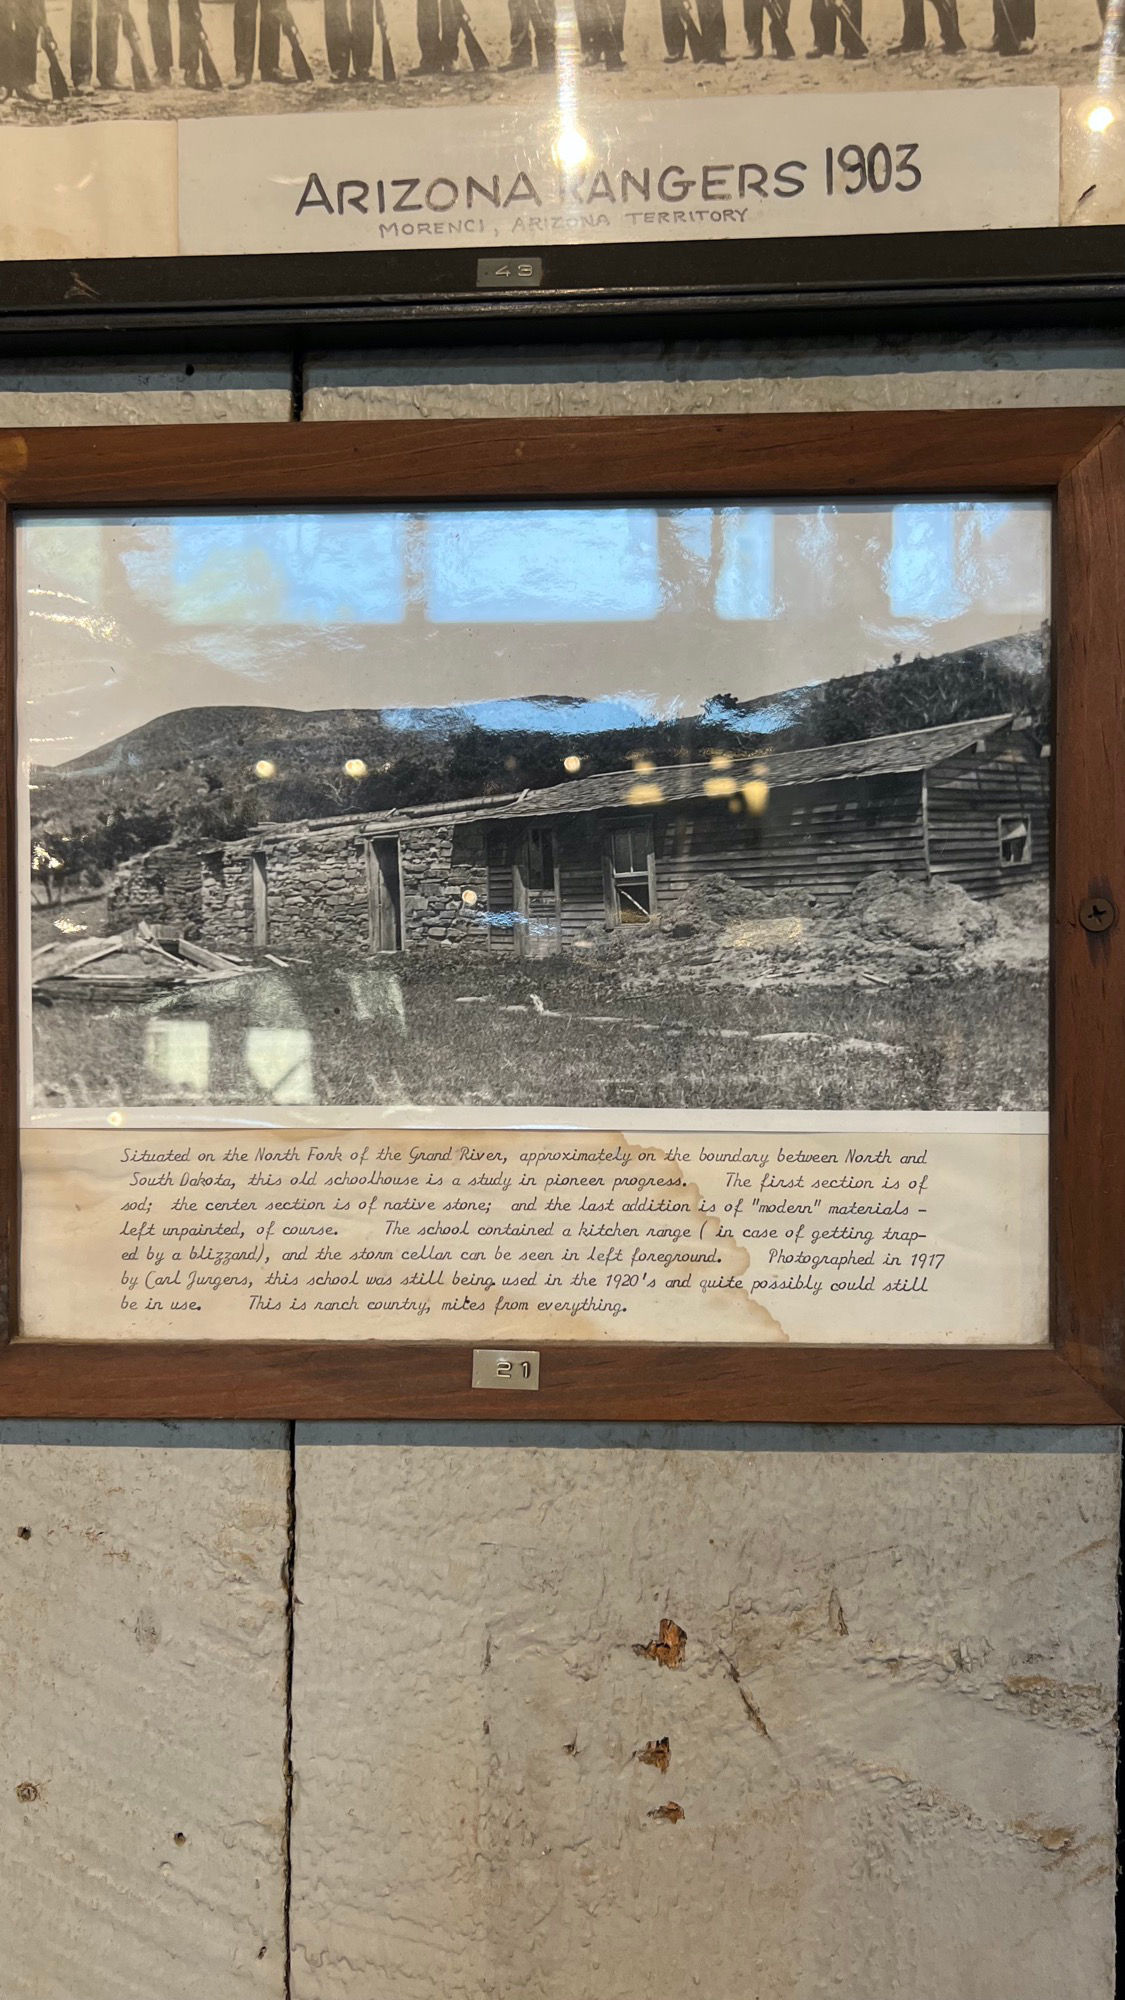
(260, 899)
(536, 893)
(384, 895)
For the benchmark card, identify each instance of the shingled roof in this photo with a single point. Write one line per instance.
(665, 784)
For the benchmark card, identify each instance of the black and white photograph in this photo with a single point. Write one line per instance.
(99, 60)
(708, 808)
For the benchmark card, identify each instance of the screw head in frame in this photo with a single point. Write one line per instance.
(1097, 913)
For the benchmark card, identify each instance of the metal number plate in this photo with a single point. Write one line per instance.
(515, 271)
(505, 1368)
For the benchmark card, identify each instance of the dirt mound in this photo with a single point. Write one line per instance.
(717, 932)
(931, 916)
(715, 901)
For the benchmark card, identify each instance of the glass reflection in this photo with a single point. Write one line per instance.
(531, 565)
(473, 804)
(279, 1065)
(178, 1055)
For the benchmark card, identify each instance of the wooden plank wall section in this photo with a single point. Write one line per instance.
(966, 799)
(824, 840)
(820, 839)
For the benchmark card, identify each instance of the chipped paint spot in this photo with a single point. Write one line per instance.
(668, 1650)
(671, 1812)
(1053, 1839)
(1069, 1704)
(657, 1753)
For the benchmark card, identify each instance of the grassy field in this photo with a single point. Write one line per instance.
(480, 1035)
(78, 916)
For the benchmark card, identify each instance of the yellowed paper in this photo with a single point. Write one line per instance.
(536, 1236)
(1093, 155)
(89, 191)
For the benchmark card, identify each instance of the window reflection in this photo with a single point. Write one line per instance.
(629, 614)
(537, 564)
(534, 564)
(178, 1053)
(922, 571)
(744, 584)
(279, 1064)
(376, 995)
(258, 569)
(945, 559)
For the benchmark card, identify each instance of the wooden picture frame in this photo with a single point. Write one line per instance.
(1074, 457)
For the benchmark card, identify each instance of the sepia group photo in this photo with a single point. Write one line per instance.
(107, 59)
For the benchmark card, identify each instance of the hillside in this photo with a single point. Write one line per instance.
(220, 738)
(212, 773)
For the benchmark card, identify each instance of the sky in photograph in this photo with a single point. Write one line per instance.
(631, 611)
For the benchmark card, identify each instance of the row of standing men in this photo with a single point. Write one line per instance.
(98, 27)
(837, 27)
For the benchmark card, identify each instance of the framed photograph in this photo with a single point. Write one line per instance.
(621, 914)
(317, 167)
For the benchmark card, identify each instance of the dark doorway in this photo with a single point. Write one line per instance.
(535, 883)
(630, 873)
(259, 891)
(384, 895)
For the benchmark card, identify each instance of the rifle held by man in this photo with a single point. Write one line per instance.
(60, 89)
(301, 67)
(390, 74)
(141, 78)
(692, 31)
(209, 66)
(476, 54)
(782, 45)
(848, 24)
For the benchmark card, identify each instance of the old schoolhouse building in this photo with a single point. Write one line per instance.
(532, 872)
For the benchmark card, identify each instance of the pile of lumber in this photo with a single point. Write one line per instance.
(136, 964)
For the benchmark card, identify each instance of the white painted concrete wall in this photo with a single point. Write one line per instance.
(890, 1736)
(926, 1808)
(143, 1618)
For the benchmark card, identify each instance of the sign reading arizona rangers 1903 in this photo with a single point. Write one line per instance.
(680, 171)
(212, 126)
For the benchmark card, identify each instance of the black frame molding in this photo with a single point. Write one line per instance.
(982, 278)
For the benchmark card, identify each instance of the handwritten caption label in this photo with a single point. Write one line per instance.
(658, 171)
(438, 1235)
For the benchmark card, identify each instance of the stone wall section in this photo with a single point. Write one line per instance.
(317, 888)
(444, 886)
(226, 897)
(162, 886)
